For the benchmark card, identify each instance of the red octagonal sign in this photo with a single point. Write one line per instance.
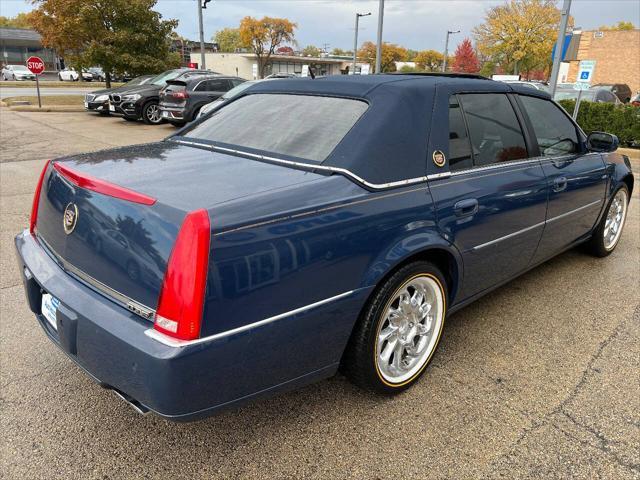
(36, 65)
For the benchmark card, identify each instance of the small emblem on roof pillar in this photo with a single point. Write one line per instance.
(439, 158)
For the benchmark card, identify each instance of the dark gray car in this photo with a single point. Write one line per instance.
(181, 99)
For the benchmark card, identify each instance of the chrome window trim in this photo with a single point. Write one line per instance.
(310, 166)
(133, 306)
(177, 343)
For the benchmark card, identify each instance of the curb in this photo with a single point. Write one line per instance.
(47, 109)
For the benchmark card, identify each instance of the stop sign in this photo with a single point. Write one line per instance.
(36, 65)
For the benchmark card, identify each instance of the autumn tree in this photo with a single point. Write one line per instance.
(621, 25)
(22, 20)
(338, 52)
(228, 39)
(264, 36)
(118, 35)
(311, 51)
(429, 60)
(391, 53)
(465, 59)
(519, 35)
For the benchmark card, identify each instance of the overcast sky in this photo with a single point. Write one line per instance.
(417, 24)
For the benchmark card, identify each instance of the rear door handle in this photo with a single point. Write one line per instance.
(466, 207)
(560, 184)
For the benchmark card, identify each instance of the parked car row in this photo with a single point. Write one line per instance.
(174, 96)
(16, 72)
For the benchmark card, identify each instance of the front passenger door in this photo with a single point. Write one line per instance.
(576, 180)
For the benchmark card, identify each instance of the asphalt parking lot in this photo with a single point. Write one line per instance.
(536, 380)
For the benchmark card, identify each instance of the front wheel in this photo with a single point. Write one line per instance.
(607, 233)
(398, 331)
(151, 113)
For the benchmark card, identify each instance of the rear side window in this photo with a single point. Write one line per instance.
(217, 85)
(459, 146)
(302, 126)
(555, 133)
(494, 128)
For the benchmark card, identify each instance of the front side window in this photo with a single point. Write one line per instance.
(459, 146)
(303, 126)
(493, 127)
(556, 134)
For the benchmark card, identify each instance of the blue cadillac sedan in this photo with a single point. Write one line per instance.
(308, 226)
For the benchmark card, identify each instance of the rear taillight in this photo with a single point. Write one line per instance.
(181, 301)
(36, 200)
(181, 95)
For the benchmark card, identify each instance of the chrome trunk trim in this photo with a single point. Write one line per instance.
(177, 343)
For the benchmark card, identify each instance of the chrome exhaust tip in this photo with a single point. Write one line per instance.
(136, 405)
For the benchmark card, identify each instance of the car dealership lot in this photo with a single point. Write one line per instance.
(538, 379)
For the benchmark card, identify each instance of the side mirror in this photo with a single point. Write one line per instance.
(602, 142)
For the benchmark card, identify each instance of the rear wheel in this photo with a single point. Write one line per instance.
(607, 233)
(151, 113)
(399, 330)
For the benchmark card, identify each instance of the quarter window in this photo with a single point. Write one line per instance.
(494, 128)
(556, 134)
(459, 146)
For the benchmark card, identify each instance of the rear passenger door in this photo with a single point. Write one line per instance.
(576, 179)
(492, 207)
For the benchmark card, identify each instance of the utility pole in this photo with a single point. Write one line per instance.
(355, 40)
(379, 45)
(203, 64)
(446, 50)
(557, 57)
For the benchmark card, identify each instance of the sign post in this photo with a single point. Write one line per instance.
(36, 66)
(583, 82)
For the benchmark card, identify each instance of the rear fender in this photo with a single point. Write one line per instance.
(413, 247)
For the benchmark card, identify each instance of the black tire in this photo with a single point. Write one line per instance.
(360, 360)
(60, 77)
(147, 110)
(596, 245)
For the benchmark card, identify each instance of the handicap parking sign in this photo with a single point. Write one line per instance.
(585, 71)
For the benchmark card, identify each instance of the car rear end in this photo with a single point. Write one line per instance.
(102, 265)
(174, 99)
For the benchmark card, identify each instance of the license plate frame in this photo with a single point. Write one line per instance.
(49, 307)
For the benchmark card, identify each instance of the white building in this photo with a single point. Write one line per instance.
(245, 65)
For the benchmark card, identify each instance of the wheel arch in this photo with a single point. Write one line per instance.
(443, 256)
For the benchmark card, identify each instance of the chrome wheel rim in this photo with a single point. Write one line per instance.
(615, 219)
(409, 330)
(153, 113)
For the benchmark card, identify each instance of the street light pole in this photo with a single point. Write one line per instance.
(446, 50)
(557, 57)
(379, 44)
(355, 40)
(202, 60)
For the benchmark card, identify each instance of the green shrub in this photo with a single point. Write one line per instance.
(620, 120)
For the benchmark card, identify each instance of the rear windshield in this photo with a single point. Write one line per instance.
(301, 126)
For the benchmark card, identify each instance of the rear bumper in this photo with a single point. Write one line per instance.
(173, 114)
(185, 382)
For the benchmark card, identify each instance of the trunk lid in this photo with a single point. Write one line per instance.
(174, 94)
(128, 205)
